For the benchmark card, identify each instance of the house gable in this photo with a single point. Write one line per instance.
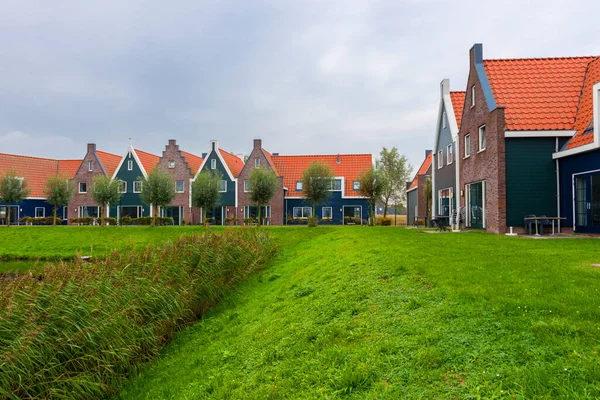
(215, 156)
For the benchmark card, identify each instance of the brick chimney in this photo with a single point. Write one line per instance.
(91, 147)
(257, 143)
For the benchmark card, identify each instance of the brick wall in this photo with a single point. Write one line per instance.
(423, 200)
(277, 203)
(84, 175)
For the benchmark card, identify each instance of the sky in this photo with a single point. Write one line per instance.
(306, 77)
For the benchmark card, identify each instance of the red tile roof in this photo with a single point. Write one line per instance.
(422, 171)
(109, 161)
(193, 161)
(458, 102)
(269, 157)
(148, 160)
(234, 163)
(351, 166)
(36, 170)
(584, 121)
(538, 93)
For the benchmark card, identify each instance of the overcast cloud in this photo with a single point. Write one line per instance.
(305, 76)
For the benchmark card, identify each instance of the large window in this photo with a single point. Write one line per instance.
(179, 186)
(222, 186)
(482, 138)
(82, 187)
(302, 212)
(327, 212)
(122, 187)
(444, 206)
(467, 146)
(137, 186)
(252, 212)
(336, 185)
(440, 159)
(449, 155)
(40, 212)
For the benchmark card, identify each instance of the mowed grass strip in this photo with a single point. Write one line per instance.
(372, 313)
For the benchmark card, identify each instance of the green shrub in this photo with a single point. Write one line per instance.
(384, 221)
(81, 330)
(312, 221)
(141, 221)
(106, 221)
(126, 220)
(83, 221)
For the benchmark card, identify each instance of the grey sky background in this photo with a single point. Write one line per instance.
(305, 76)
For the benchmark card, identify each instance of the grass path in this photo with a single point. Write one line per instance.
(372, 313)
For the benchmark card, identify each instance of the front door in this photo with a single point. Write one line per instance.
(587, 203)
(476, 206)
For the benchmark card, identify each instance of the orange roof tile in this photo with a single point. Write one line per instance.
(148, 160)
(109, 161)
(350, 166)
(458, 102)
(422, 171)
(234, 163)
(193, 161)
(36, 170)
(584, 121)
(538, 93)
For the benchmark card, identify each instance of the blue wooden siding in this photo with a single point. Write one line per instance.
(412, 200)
(445, 177)
(336, 202)
(227, 198)
(130, 199)
(27, 209)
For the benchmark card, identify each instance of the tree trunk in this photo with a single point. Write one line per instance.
(259, 215)
(54, 214)
(154, 215)
(385, 208)
(101, 215)
(8, 216)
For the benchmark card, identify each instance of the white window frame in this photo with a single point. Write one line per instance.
(222, 188)
(467, 146)
(257, 163)
(480, 130)
(440, 159)
(183, 187)
(129, 165)
(79, 187)
(449, 155)
(302, 210)
(171, 164)
(140, 189)
(43, 212)
(356, 185)
(213, 164)
(444, 119)
(299, 186)
(90, 166)
(473, 96)
(124, 189)
(246, 186)
(333, 181)
(330, 212)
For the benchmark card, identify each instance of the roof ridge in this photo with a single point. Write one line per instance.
(322, 155)
(541, 58)
(38, 158)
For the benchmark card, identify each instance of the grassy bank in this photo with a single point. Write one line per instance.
(372, 313)
(80, 330)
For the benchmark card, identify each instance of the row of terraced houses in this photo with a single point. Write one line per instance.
(288, 205)
(521, 139)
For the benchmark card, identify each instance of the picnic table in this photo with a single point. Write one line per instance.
(439, 220)
(544, 218)
(423, 217)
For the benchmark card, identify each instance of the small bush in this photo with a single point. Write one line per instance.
(384, 221)
(83, 221)
(312, 221)
(249, 221)
(126, 220)
(107, 221)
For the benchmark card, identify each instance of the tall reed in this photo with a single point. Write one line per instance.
(79, 331)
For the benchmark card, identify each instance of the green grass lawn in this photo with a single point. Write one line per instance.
(378, 313)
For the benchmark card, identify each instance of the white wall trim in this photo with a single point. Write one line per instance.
(521, 134)
(576, 150)
(596, 95)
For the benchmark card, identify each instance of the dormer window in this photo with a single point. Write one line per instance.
(473, 96)
(130, 165)
(171, 164)
(298, 186)
(213, 164)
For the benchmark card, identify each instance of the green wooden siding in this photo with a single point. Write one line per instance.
(227, 198)
(530, 178)
(130, 198)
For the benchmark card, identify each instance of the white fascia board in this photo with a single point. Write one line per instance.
(410, 190)
(34, 198)
(121, 162)
(139, 163)
(522, 134)
(576, 150)
(596, 95)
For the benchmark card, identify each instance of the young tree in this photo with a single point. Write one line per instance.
(372, 184)
(158, 190)
(59, 191)
(316, 184)
(105, 191)
(205, 191)
(12, 190)
(263, 183)
(396, 170)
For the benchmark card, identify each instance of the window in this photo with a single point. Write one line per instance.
(356, 185)
(130, 165)
(257, 162)
(472, 95)
(252, 212)
(467, 145)
(449, 155)
(122, 187)
(298, 186)
(179, 186)
(171, 164)
(440, 160)
(40, 212)
(222, 186)
(444, 119)
(482, 138)
(302, 212)
(90, 166)
(327, 212)
(82, 187)
(137, 186)
(336, 185)
(246, 185)
(213, 164)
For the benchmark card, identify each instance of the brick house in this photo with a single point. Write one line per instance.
(446, 159)
(517, 113)
(35, 171)
(182, 166)
(417, 201)
(274, 211)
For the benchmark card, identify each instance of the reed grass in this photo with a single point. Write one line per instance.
(82, 329)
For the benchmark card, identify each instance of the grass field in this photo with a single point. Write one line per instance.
(379, 313)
